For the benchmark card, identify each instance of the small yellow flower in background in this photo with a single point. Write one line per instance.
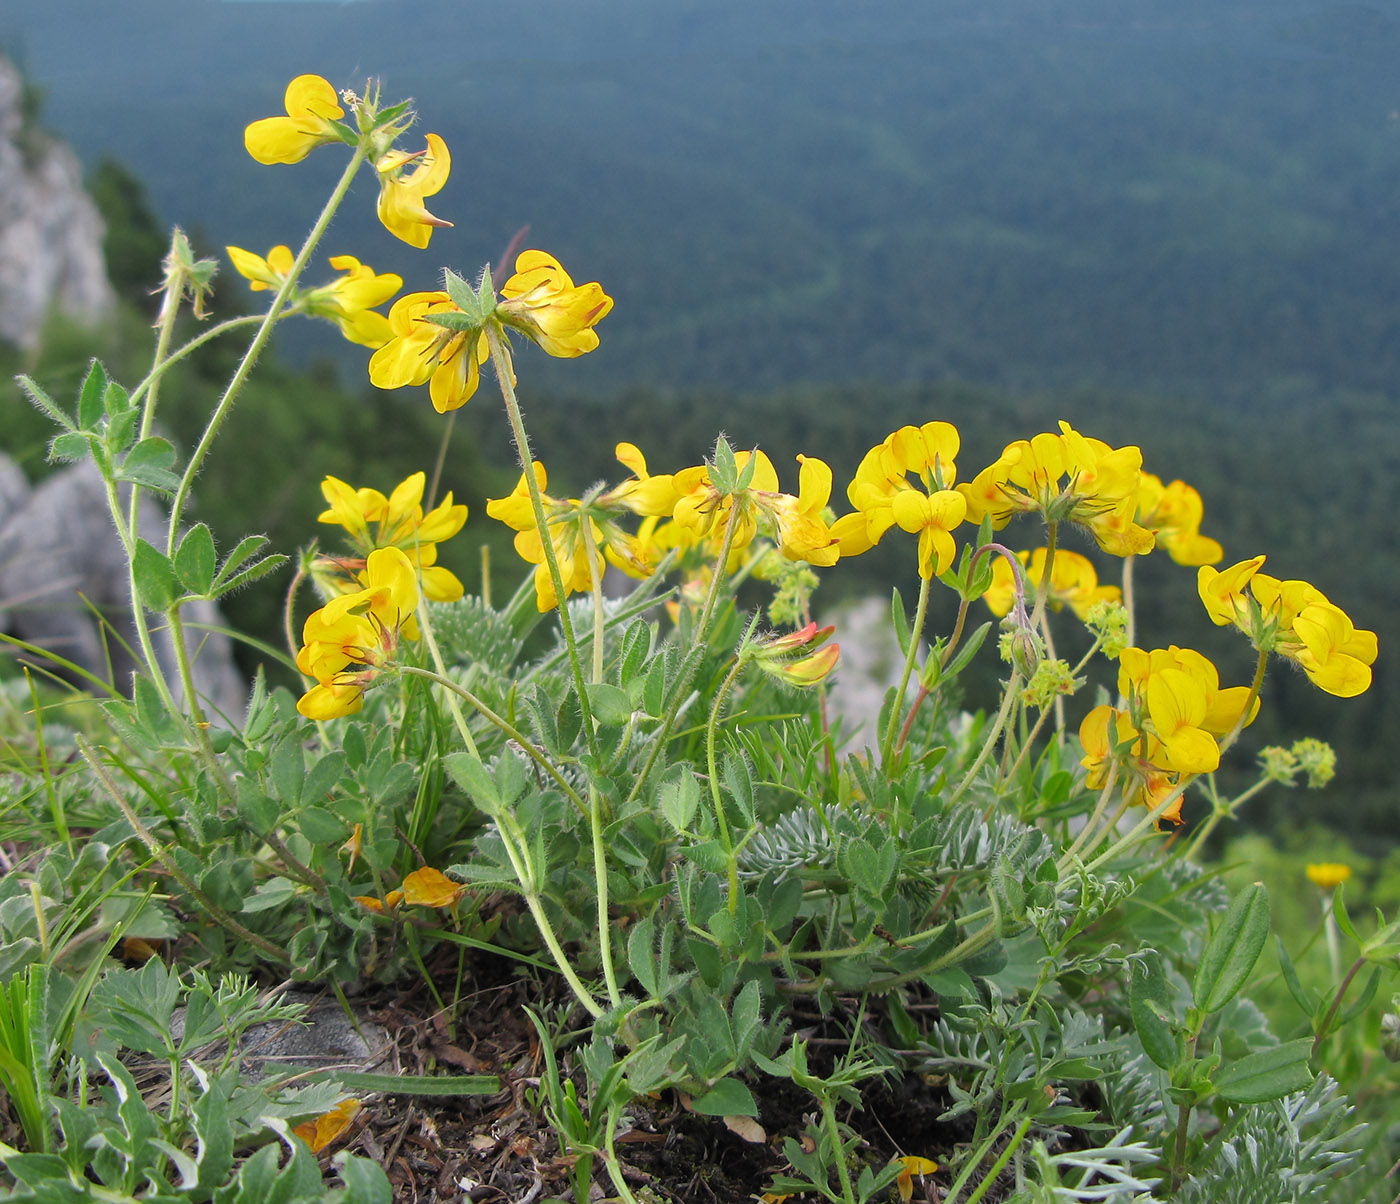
(312, 107)
(543, 303)
(1073, 583)
(418, 352)
(1173, 513)
(883, 495)
(352, 846)
(348, 302)
(399, 522)
(401, 191)
(352, 637)
(1295, 620)
(1065, 478)
(1328, 875)
(319, 1133)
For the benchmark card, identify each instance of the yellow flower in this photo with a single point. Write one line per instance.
(1173, 512)
(353, 636)
(1109, 738)
(1073, 583)
(1066, 478)
(543, 303)
(401, 208)
(419, 352)
(428, 887)
(1328, 875)
(311, 106)
(1295, 620)
(884, 497)
(348, 302)
(399, 523)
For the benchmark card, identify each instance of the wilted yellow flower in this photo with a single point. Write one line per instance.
(401, 192)
(1328, 875)
(428, 887)
(324, 1129)
(312, 106)
(543, 303)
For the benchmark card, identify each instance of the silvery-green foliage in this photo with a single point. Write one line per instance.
(1111, 1172)
(1132, 1094)
(798, 840)
(1296, 1150)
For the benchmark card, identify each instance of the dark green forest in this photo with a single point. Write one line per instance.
(1173, 225)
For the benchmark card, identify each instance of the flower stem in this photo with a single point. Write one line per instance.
(912, 652)
(711, 729)
(264, 331)
(504, 378)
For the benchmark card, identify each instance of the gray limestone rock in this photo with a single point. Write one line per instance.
(50, 231)
(63, 587)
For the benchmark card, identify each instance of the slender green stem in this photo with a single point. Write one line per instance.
(711, 734)
(1013, 686)
(838, 1149)
(611, 1160)
(1042, 589)
(1255, 687)
(678, 691)
(425, 626)
(504, 726)
(910, 655)
(186, 349)
(595, 583)
(1130, 631)
(264, 331)
(504, 380)
(430, 500)
(1136, 833)
(979, 1155)
(1221, 811)
(289, 613)
(1000, 1164)
(1325, 1027)
(1088, 836)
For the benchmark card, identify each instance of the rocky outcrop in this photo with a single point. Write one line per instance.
(63, 588)
(50, 231)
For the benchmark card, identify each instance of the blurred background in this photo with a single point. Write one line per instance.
(1172, 223)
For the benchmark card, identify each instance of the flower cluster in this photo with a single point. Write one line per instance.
(348, 302)
(1293, 619)
(1065, 478)
(353, 637)
(398, 521)
(1176, 713)
(884, 496)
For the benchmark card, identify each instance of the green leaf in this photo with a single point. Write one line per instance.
(248, 546)
(738, 777)
(115, 399)
(254, 808)
(1342, 916)
(901, 622)
(728, 1097)
(641, 954)
(610, 705)
(365, 1181)
(471, 775)
(287, 769)
(966, 652)
(90, 397)
(1151, 1003)
(194, 559)
(255, 572)
(1229, 959)
(43, 402)
(69, 447)
(149, 462)
(156, 582)
(1307, 1000)
(679, 797)
(1269, 1074)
